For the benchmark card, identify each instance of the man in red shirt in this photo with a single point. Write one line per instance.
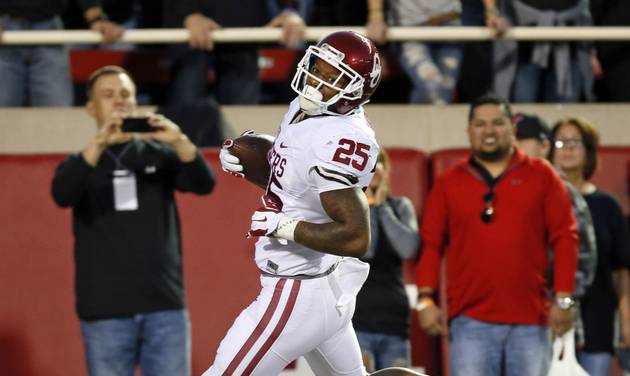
(493, 217)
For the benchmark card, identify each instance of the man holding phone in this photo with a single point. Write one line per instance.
(128, 259)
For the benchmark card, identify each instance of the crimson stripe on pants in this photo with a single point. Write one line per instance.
(277, 330)
(258, 331)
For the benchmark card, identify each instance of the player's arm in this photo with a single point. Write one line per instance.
(340, 166)
(349, 232)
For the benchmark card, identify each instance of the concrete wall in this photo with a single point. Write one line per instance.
(426, 128)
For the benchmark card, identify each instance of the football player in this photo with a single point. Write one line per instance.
(314, 222)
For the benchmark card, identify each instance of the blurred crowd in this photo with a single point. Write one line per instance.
(418, 72)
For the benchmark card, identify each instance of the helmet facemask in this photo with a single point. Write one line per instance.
(311, 97)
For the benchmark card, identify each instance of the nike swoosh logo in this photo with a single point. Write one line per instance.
(283, 146)
(259, 220)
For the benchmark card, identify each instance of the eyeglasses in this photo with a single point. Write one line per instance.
(487, 214)
(567, 143)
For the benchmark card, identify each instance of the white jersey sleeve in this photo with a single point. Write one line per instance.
(342, 155)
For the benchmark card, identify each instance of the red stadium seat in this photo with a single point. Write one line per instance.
(613, 173)
(146, 65)
(152, 65)
(442, 160)
(278, 64)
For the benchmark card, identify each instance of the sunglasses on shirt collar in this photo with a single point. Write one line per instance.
(487, 213)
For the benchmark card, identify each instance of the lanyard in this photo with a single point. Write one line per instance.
(118, 158)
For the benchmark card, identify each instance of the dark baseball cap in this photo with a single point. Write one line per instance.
(530, 126)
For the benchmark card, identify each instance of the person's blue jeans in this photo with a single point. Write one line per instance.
(533, 84)
(385, 350)
(34, 75)
(433, 69)
(595, 363)
(158, 341)
(481, 349)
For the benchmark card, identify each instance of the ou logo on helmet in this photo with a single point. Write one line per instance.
(375, 75)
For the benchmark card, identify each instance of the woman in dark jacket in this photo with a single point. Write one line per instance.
(574, 151)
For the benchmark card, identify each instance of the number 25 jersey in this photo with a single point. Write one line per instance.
(315, 155)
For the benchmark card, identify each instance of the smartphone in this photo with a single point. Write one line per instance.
(137, 124)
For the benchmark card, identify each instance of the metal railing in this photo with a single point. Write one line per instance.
(240, 35)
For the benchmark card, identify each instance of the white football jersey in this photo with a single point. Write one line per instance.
(312, 156)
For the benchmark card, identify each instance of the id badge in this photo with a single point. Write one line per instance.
(125, 192)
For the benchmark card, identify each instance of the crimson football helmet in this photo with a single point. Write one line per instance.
(355, 57)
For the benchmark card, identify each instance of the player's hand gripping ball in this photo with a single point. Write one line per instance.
(246, 156)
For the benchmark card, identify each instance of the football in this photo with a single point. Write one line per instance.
(251, 149)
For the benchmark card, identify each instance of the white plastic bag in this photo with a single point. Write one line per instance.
(564, 362)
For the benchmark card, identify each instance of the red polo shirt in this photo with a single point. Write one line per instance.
(496, 270)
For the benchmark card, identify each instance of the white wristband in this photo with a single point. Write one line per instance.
(286, 228)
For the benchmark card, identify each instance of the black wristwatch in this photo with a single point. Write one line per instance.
(565, 302)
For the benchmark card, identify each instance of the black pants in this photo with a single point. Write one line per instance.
(235, 68)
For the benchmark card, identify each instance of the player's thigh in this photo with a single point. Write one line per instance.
(248, 344)
(270, 364)
(338, 355)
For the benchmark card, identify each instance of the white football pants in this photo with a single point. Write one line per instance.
(288, 319)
